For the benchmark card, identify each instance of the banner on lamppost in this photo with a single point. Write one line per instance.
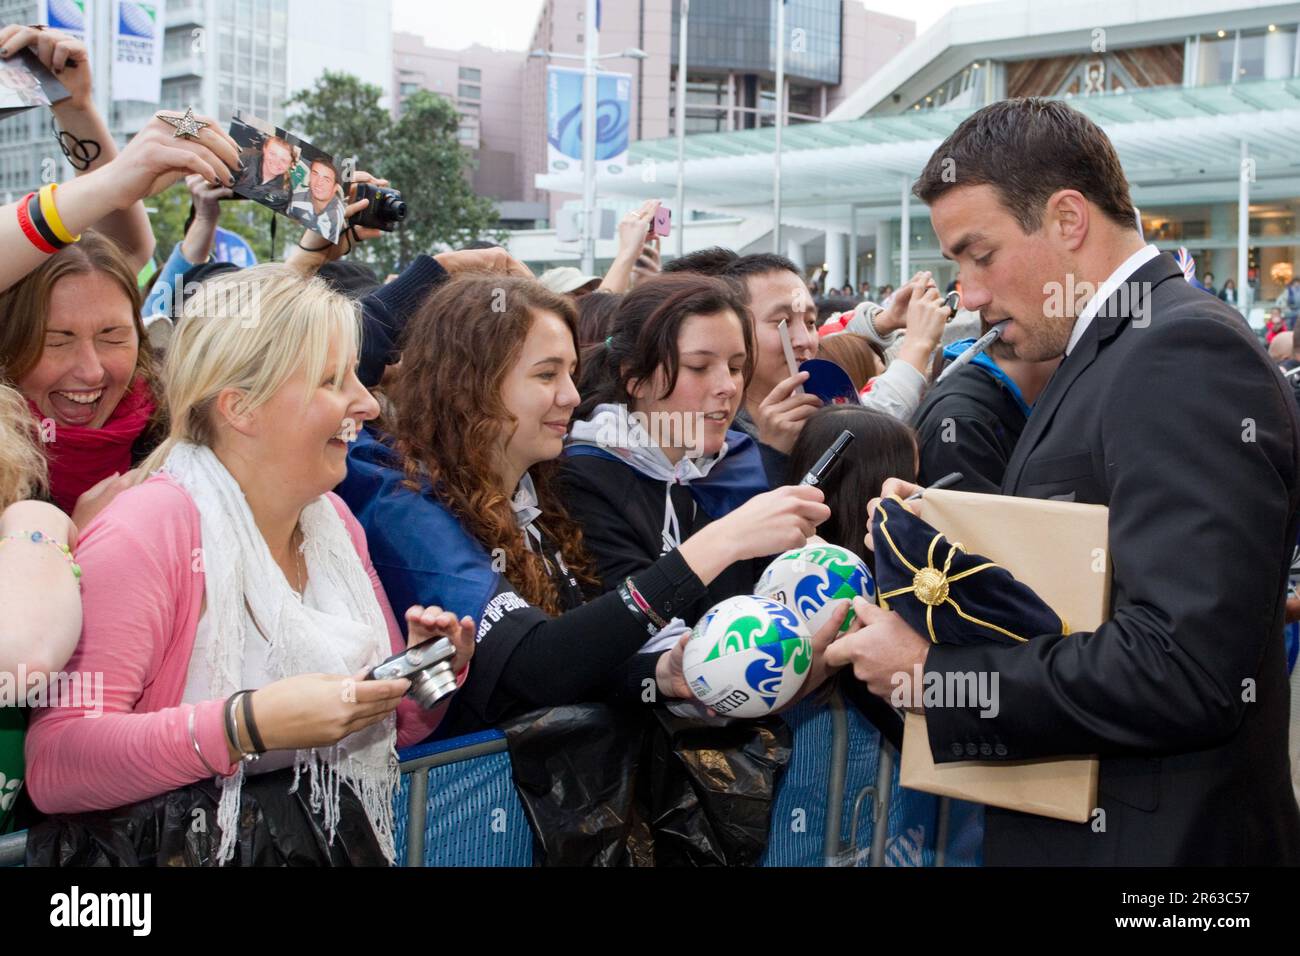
(137, 49)
(564, 120)
(68, 16)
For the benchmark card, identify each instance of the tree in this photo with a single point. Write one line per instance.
(342, 116)
(425, 160)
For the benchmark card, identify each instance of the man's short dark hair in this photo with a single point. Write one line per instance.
(712, 261)
(1027, 149)
(759, 264)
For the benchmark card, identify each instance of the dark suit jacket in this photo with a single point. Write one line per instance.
(1177, 421)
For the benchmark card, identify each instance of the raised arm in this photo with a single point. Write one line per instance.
(151, 162)
(84, 134)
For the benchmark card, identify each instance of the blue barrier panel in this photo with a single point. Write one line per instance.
(473, 818)
(913, 816)
(804, 803)
(799, 813)
(965, 834)
(467, 812)
(471, 815)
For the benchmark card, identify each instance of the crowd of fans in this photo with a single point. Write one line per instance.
(234, 492)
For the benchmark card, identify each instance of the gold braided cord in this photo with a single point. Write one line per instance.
(884, 517)
(953, 549)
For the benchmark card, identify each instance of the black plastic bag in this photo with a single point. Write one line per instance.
(711, 788)
(276, 828)
(604, 786)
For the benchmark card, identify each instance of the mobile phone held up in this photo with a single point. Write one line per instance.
(663, 224)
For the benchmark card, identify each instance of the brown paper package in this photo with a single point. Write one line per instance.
(1060, 550)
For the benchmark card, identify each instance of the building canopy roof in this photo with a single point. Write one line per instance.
(1174, 142)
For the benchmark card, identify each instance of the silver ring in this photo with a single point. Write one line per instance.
(188, 126)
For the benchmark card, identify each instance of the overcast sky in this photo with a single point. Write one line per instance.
(508, 24)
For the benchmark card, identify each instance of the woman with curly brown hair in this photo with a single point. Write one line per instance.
(459, 509)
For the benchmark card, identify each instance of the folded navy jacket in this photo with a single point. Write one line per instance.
(947, 594)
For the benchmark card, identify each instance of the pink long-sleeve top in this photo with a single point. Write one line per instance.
(142, 594)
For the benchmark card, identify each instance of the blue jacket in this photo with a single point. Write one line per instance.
(419, 549)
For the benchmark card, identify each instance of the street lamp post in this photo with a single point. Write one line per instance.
(681, 128)
(780, 121)
(592, 39)
(590, 58)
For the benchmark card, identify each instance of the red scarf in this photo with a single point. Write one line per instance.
(80, 456)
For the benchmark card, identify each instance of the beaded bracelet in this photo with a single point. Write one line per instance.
(36, 537)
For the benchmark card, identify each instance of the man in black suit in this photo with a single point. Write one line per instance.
(1166, 409)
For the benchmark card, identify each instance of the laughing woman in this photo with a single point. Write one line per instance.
(73, 342)
(234, 567)
(458, 505)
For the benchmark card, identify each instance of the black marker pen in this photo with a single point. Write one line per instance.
(946, 481)
(826, 463)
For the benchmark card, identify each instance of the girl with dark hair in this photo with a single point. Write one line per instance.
(883, 447)
(596, 313)
(654, 462)
(458, 506)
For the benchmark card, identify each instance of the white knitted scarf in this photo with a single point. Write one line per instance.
(238, 566)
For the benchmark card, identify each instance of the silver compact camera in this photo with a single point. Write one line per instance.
(428, 665)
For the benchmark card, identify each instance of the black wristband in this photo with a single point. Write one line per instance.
(627, 592)
(37, 217)
(250, 724)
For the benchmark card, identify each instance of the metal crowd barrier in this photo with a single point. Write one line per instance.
(13, 849)
(457, 804)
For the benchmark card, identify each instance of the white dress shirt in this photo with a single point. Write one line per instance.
(1116, 279)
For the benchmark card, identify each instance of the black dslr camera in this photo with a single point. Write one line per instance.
(386, 209)
(428, 665)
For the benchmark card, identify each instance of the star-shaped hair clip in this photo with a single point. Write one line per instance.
(187, 126)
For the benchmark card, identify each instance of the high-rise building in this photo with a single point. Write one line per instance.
(487, 87)
(1201, 99)
(221, 56)
(731, 76)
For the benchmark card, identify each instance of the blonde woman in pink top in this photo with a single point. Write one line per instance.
(234, 567)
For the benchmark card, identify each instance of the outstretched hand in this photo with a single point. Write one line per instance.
(426, 623)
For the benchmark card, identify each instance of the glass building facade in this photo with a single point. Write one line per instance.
(731, 61)
(1208, 230)
(219, 56)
